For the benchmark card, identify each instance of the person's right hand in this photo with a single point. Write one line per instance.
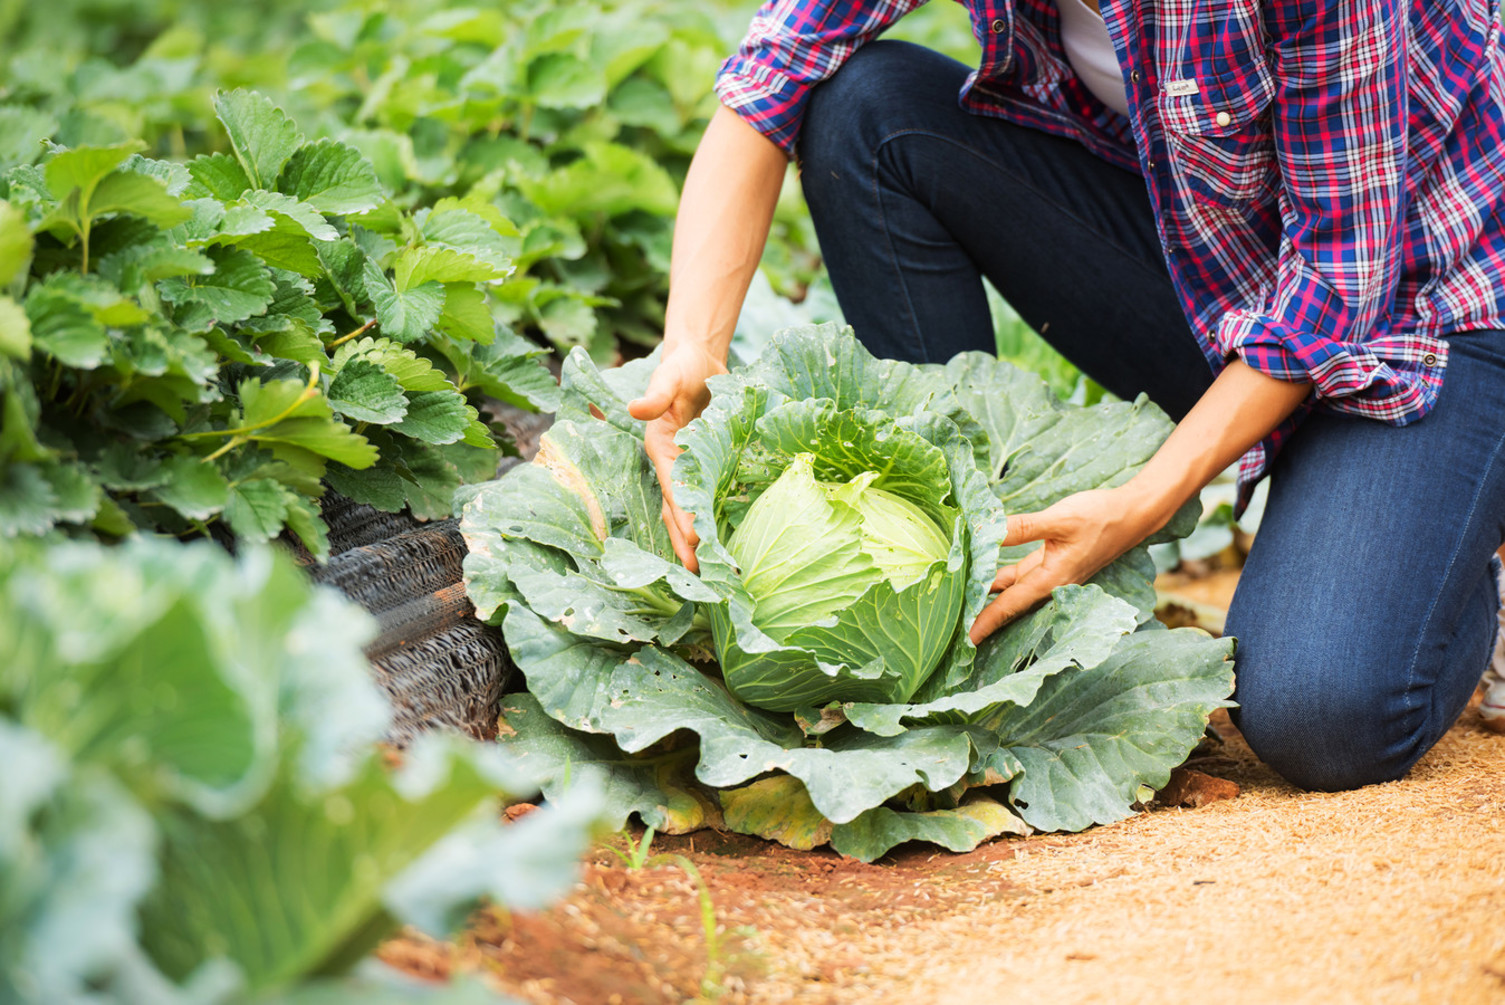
(676, 394)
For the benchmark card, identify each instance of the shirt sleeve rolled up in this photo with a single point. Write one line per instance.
(791, 46)
(1340, 132)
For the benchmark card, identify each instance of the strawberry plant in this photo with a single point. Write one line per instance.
(184, 344)
(543, 143)
(576, 121)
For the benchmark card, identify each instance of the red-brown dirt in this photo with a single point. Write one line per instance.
(1233, 887)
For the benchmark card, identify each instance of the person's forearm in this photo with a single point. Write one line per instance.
(1240, 408)
(724, 214)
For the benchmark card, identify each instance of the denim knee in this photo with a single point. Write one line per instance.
(1326, 739)
(1334, 696)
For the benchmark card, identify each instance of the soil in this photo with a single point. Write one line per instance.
(1233, 886)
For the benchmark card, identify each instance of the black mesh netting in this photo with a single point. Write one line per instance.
(439, 665)
(436, 662)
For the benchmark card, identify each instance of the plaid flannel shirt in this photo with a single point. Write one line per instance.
(1328, 178)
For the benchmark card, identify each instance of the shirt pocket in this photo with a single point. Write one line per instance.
(1219, 140)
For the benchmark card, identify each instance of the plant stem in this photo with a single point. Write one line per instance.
(241, 434)
(229, 445)
(653, 603)
(363, 329)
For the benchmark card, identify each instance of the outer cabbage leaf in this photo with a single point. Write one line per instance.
(283, 888)
(1091, 737)
(827, 361)
(960, 829)
(1077, 628)
(660, 789)
(201, 715)
(75, 857)
(1042, 450)
(578, 536)
(201, 808)
(654, 694)
(780, 809)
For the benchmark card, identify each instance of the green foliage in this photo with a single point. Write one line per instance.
(170, 353)
(639, 668)
(573, 121)
(197, 808)
(569, 127)
(461, 177)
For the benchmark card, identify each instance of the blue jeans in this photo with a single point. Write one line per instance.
(1366, 611)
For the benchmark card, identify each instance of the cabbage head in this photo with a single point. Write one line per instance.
(814, 682)
(824, 563)
(809, 550)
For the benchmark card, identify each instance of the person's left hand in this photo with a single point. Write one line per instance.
(1082, 533)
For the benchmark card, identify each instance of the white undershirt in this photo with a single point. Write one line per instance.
(1090, 52)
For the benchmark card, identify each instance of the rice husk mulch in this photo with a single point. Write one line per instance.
(1392, 893)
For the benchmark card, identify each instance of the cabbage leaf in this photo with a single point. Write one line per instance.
(196, 808)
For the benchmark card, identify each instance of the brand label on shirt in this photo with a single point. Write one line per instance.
(1181, 88)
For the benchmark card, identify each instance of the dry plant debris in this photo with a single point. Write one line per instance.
(1394, 893)
(1234, 887)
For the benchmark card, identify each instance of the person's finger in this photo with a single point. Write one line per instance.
(684, 548)
(1007, 577)
(686, 523)
(1011, 574)
(663, 388)
(662, 451)
(1007, 606)
(1025, 527)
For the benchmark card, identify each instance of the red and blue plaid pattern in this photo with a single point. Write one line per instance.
(1328, 178)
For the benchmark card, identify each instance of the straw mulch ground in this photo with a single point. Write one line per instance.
(1395, 893)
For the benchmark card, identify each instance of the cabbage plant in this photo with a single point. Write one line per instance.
(195, 810)
(815, 681)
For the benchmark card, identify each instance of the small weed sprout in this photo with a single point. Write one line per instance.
(636, 857)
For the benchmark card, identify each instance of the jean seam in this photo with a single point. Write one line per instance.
(1109, 239)
(1427, 622)
(916, 337)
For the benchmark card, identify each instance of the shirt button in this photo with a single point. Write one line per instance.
(1150, 164)
(1223, 118)
(1134, 76)
(997, 26)
(1430, 359)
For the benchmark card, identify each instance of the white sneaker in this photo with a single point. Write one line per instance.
(1492, 709)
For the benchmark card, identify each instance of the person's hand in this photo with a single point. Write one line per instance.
(1082, 533)
(676, 394)
(1086, 531)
